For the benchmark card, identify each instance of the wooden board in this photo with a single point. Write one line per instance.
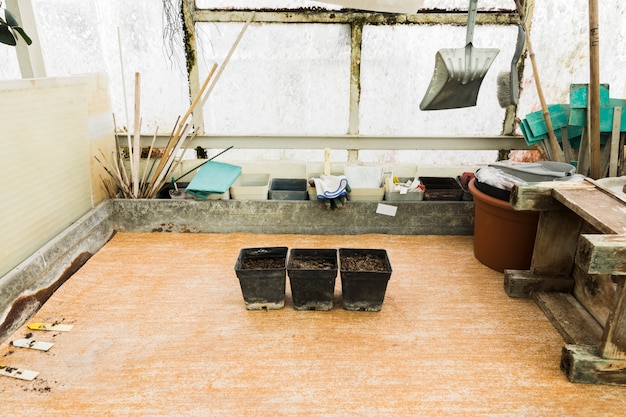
(573, 322)
(538, 196)
(601, 210)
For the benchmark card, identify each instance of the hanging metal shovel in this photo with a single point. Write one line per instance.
(459, 72)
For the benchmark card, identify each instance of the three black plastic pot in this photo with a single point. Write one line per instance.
(312, 274)
(262, 277)
(364, 277)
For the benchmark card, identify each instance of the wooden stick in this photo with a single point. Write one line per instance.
(567, 146)
(184, 150)
(112, 173)
(594, 90)
(227, 59)
(118, 158)
(145, 169)
(583, 153)
(136, 153)
(556, 153)
(168, 158)
(615, 135)
(622, 152)
(182, 123)
(119, 41)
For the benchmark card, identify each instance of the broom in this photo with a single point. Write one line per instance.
(555, 150)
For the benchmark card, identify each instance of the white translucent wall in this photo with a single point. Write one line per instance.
(9, 67)
(82, 36)
(282, 79)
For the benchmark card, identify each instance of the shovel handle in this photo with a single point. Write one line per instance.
(471, 21)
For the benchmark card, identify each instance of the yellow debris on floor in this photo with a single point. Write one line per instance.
(160, 329)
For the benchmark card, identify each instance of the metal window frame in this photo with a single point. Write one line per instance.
(357, 20)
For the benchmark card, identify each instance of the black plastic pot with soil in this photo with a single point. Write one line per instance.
(364, 276)
(312, 274)
(262, 277)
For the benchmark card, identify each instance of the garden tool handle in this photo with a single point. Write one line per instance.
(469, 37)
(471, 21)
(519, 46)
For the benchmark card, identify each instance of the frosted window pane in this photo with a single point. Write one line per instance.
(396, 67)
(80, 37)
(10, 69)
(282, 79)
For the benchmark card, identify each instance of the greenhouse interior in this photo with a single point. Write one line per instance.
(320, 208)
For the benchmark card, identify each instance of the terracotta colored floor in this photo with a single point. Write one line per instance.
(160, 329)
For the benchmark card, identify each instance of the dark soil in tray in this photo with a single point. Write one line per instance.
(310, 263)
(363, 263)
(263, 263)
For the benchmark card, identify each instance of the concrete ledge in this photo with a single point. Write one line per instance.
(298, 217)
(27, 287)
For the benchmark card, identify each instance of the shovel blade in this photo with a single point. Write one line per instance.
(457, 77)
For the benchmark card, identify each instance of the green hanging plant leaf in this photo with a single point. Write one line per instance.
(6, 36)
(23, 34)
(8, 24)
(10, 18)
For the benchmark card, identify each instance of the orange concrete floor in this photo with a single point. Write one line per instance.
(160, 329)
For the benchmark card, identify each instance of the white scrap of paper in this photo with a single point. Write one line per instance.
(32, 344)
(18, 373)
(386, 209)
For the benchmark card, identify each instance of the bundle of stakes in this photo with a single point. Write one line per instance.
(155, 173)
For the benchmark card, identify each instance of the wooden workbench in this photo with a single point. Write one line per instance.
(578, 274)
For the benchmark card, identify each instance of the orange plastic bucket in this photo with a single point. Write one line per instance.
(504, 238)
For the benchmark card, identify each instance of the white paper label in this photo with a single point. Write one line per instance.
(18, 373)
(32, 344)
(386, 209)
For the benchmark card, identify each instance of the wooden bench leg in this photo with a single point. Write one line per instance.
(582, 364)
(556, 243)
(522, 284)
(613, 345)
(606, 363)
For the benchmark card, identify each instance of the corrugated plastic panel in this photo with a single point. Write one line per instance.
(44, 163)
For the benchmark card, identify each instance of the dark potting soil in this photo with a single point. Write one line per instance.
(263, 263)
(311, 263)
(363, 263)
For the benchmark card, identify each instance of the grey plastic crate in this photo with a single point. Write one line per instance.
(288, 189)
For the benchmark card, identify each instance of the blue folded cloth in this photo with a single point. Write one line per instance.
(213, 178)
